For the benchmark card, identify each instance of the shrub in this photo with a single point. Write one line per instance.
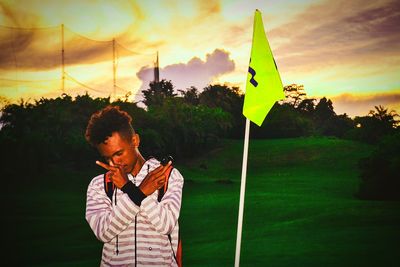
(380, 178)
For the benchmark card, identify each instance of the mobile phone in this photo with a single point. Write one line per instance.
(167, 159)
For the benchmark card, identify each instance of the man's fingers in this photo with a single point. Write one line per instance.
(167, 169)
(161, 175)
(115, 166)
(160, 183)
(157, 170)
(161, 168)
(112, 168)
(105, 166)
(168, 165)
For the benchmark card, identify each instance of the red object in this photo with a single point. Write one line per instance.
(108, 181)
(179, 254)
(108, 177)
(167, 174)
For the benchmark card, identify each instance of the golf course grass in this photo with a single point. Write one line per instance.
(300, 210)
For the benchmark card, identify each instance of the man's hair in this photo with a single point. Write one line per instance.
(105, 122)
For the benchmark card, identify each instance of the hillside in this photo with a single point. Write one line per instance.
(299, 210)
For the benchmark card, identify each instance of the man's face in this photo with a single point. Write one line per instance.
(119, 151)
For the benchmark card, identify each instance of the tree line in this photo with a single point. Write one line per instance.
(187, 122)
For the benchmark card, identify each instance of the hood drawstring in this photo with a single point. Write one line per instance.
(115, 202)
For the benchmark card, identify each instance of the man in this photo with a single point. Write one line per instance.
(137, 229)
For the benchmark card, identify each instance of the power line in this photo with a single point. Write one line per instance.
(78, 34)
(87, 38)
(28, 29)
(82, 84)
(27, 81)
(93, 89)
(117, 54)
(133, 52)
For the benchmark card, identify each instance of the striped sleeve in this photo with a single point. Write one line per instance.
(107, 220)
(164, 215)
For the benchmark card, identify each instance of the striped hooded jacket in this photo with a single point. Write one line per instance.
(136, 234)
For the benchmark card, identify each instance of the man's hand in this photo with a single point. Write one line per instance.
(155, 179)
(116, 174)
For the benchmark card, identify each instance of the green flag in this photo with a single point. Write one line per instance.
(264, 85)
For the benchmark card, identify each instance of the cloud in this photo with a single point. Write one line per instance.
(28, 43)
(339, 32)
(196, 72)
(207, 8)
(40, 49)
(360, 105)
(10, 15)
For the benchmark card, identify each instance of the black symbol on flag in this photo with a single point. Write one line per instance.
(253, 74)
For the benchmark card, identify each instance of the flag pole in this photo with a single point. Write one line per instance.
(242, 191)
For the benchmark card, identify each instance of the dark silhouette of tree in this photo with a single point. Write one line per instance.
(341, 125)
(386, 117)
(325, 117)
(294, 94)
(158, 93)
(284, 121)
(324, 110)
(191, 96)
(230, 100)
(221, 96)
(186, 129)
(375, 125)
(50, 132)
(307, 106)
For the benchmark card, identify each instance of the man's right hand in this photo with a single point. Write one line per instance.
(155, 179)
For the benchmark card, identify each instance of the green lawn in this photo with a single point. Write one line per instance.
(299, 211)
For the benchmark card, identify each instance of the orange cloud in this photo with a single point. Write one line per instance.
(360, 105)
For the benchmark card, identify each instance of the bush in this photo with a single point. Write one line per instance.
(380, 178)
(186, 129)
(51, 131)
(283, 121)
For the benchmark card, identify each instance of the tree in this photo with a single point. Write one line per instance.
(341, 125)
(184, 129)
(190, 96)
(158, 93)
(386, 117)
(284, 121)
(324, 110)
(307, 105)
(294, 93)
(377, 124)
(230, 100)
(50, 132)
(324, 117)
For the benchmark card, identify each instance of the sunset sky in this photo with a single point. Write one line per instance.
(346, 50)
